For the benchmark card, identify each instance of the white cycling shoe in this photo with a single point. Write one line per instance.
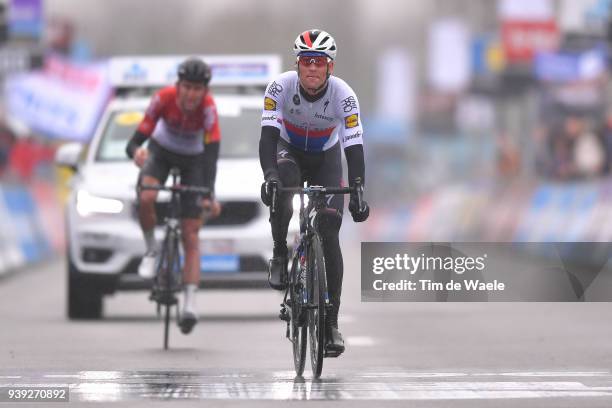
(146, 270)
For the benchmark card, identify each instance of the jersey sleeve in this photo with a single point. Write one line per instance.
(152, 114)
(347, 108)
(272, 109)
(212, 133)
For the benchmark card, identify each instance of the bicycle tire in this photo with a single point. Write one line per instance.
(172, 259)
(299, 330)
(316, 315)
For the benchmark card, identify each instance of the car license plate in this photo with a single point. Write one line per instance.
(227, 263)
(217, 246)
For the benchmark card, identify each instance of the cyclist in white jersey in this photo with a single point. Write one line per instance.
(308, 116)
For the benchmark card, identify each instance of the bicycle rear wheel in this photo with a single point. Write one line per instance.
(299, 329)
(316, 315)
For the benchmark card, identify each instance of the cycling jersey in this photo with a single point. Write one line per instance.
(313, 126)
(177, 131)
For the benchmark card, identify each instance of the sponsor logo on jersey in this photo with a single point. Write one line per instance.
(269, 104)
(351, 121)
(271, 117)
(353, 136)
(349, 104)
(319, 116)
(296, 99)
(275, 89)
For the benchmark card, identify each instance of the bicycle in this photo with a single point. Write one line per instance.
(306, 300)
(168, 277)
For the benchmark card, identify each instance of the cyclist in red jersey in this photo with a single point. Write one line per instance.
(182, 127)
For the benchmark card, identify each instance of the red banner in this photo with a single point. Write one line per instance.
(522, 39)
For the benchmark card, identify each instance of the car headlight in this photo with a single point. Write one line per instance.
(296, 202)
(88, 204)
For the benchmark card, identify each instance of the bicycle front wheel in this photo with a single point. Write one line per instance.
(316, 315)
(298, 325)
(170, 261)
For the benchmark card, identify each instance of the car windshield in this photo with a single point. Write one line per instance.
(239, 134)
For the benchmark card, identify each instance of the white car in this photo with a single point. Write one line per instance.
(105, 243)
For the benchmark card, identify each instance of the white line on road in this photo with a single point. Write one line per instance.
(360, 341)
(383, 384)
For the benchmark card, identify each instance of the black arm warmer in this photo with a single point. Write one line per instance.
(267, 150)
(355, 163)
(210, 156)
(135, 142)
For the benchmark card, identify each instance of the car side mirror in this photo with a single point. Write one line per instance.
(68, 155)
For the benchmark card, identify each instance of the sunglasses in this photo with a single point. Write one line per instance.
(306, 60)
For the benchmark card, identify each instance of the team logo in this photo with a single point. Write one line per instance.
(275, 89)
(296, 99)
(319, 116)
(351, 121)
(269, 104)
(353, 136)
(349, 104)
(271, 117)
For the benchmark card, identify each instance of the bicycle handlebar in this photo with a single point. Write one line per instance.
(178, 188)
(312, 190)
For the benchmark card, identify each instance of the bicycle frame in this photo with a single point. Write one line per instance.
(168, 278)
(301, 281)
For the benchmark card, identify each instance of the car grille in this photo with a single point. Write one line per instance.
(248, 263)
(232, 213)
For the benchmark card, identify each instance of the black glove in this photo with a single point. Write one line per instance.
(267, 187)
(359, 214)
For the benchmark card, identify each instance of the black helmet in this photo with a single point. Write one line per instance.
(194, 70)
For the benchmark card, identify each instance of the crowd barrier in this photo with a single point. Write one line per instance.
(31, 224)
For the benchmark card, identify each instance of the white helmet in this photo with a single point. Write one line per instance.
(315, 41)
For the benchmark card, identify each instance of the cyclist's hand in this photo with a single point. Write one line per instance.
(358, 214)
(267, 188)
(140, 156)
(211, 207)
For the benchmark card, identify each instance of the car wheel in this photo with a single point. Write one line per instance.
(83, 302)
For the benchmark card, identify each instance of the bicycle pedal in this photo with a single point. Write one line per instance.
(332, 353)
(284, 316)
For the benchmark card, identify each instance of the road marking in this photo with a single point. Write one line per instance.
(359, 341)
(62, 376)
(382, 384)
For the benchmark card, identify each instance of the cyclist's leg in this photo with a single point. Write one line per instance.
(329, 173)
(289, 172)
(290, 175)
(154, 172)
(192, 174)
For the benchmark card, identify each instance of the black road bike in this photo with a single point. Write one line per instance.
(168, 276)
(306, 300)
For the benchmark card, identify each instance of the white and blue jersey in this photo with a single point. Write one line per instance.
(313, 126)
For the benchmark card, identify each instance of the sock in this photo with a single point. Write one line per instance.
(189, 298)
(150, 243)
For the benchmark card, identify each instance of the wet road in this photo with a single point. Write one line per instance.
(416, 354)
